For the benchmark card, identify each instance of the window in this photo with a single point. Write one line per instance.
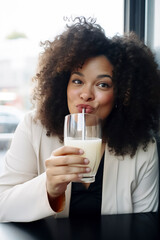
(24, 24)
(142, 17)
(152, 36)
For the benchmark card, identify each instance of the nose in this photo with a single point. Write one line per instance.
(87, 94)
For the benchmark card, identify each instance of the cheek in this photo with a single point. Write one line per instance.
(107, 100)
(106, 104)
(71, 94)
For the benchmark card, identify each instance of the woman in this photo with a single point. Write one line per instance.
(116, 79)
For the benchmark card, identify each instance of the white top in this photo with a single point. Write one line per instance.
(129, 185)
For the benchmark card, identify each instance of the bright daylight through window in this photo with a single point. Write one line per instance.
(24, 24)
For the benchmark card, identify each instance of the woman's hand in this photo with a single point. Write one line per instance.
(61, 169)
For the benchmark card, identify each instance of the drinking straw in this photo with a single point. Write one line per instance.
(83, 124)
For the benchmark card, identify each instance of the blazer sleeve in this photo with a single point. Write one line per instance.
(23, 195)
(146, 194)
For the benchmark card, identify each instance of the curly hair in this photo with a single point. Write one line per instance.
(135, 117)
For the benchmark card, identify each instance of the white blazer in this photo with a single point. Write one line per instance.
(130, 185)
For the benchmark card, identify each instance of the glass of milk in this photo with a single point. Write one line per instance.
(83, 131)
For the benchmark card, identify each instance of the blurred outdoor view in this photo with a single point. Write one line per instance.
(23, 25)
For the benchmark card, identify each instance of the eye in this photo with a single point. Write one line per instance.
(104, 85)
(77, 81)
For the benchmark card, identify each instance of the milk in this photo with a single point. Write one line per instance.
(92, 151)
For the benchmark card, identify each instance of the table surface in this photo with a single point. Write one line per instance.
(122, 227)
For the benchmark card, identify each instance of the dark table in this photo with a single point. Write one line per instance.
(125, 226)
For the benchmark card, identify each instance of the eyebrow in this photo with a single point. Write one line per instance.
(78, 73)
(99, 76)
(104, 75)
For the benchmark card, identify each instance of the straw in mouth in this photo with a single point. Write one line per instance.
(83, 124)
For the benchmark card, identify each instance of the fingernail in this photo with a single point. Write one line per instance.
(80, 175)
(88, 169)
(81, 151)
(86, 160)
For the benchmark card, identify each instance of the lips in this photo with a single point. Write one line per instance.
(88, 108)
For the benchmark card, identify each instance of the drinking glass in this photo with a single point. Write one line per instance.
(83, 131)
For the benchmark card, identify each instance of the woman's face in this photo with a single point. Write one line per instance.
(91, 87)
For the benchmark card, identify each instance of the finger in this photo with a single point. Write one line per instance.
(68, 178)
(67, 150)
(66, 160)
(65, 170)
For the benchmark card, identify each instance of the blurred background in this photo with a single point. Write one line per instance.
(26, 23)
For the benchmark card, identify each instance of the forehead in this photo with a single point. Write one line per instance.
(94, 65)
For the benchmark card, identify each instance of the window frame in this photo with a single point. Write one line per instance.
(134, 17)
